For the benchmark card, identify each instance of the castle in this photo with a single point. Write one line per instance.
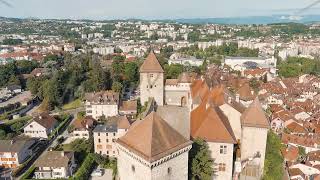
(157, 146)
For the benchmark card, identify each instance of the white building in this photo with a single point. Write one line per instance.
(255, 128)
(103, 103)
(104, 50)
(106, 135)
(15, 152)
(153, 150)
(55, 165)
(41, 126)
(209, 123)
(243, 63)
(177, 91)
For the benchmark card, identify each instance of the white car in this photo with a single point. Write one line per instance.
(97, 172)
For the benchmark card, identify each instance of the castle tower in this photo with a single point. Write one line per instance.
(153, 150)
(255, 128)
(151, 80)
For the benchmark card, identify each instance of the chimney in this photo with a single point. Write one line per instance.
(62, 153)
(238, 97)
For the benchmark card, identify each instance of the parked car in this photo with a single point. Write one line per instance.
(97, 172)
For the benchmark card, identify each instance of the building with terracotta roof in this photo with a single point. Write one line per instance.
(151, 80)
(152, 149)
(245, 94)
(82, 128)
(41, 126)
(103, 103)
(105, 135)
(209, 123)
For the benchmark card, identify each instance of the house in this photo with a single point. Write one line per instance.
(37, 72)
(152, 149)
(103, 103)
(54, 165)
(209, 123)
(105, 135)
(290, 154)
(128, 108)
(15, 152)
(41, 126)
(82, 128)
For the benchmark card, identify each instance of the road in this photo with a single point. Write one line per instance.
(64, 133)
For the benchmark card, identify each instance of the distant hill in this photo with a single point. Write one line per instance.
(230, 20)
(252, 20)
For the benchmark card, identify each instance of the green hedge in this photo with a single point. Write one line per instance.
(86, 168)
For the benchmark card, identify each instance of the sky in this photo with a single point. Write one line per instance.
(149, 9)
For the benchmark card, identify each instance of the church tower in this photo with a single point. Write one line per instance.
(151, 80)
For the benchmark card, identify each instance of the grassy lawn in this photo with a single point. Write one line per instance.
(72, 105)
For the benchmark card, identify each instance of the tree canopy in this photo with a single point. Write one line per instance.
(200, 162)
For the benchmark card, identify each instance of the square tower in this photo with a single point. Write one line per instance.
(151, 80)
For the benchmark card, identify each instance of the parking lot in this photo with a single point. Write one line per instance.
(106, 176)
(18, 98)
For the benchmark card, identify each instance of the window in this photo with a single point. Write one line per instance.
(98, 134)
(31, 126)
(223, 149)
(107, 140)
(114, 134)
(107, 134)
(151, 75)
(150, 86)
(169, 170)
(99, 140)
(113, 140)
(222, 167)
(107, 152)
(133, 169)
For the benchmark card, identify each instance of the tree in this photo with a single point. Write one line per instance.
(2, 134)
(274, 160)
(131, 72)
(302, 153)
(117, 86)
(200, 162)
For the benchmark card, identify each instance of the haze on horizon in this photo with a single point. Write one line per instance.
(149, 9)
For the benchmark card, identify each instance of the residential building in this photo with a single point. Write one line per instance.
(103, 103)
(82, 128)
(55, 165)
(41, 126)
(209, 123)
(105, 135)
(15, 152)
(152, 149)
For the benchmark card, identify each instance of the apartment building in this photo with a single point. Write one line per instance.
(14, 152)
(103, 103)
(105, 135)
